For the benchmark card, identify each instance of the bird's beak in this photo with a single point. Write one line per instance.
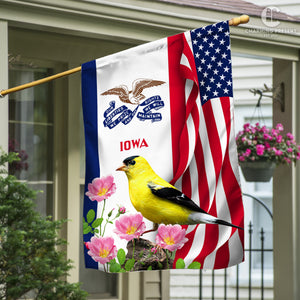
(122, 168)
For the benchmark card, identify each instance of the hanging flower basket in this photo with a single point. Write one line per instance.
(260, 149)
(258, 171)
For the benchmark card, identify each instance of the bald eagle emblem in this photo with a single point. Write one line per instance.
(134, 96)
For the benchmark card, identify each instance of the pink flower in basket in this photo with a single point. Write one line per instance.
(102, 249)
(129, 227)
(170, 237)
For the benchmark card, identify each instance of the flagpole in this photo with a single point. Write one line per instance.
(233, 22)
(40, 81)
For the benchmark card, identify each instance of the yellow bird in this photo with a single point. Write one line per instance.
(158, 200)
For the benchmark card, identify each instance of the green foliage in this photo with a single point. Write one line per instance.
(29, 259)
(180, 264)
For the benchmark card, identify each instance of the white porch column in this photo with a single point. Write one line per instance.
(286, 190)
(4, 85)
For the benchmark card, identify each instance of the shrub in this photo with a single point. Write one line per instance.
(29, 257)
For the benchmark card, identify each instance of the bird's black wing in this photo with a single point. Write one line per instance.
(175, 196)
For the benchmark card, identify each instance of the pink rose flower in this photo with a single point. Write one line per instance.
(267, 136)
(246, 126)
(274, 132)
(101, 188)
(129, 227)
(260, 149)
(279, 139)
(170, 237)
(101, 249)
(247, 152)
(279, 127)
(241, 158)
(290, 136)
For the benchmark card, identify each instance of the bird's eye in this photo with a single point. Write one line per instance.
(132, 162)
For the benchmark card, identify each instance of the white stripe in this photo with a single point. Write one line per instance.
(208, 160)
(194, 181)
(209, 261)
(224, 214)
(197, 244)
(220, 124)
(236, 250)
(184, 61)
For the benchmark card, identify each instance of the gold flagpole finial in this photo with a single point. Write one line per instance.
(239, 20)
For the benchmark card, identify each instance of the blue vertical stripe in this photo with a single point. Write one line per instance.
(89, 107)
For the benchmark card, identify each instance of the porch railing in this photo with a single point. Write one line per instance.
(235, 288)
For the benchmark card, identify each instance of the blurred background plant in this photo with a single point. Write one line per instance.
(32, 263)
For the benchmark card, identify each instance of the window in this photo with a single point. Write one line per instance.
(31, 132)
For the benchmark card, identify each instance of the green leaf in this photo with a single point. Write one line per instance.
(129, 264)
(194, 265)
(149, 268)
(121, 256)
(122, 271)
(87, 230)
(97, 222)
(85, 225)
(90, 216)
(160, 265)
(115, 267)
(180, 263)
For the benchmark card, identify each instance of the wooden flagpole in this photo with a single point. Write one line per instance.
(233, 22)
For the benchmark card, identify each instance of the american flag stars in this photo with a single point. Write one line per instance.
(211, 47)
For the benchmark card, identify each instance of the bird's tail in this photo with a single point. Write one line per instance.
(196, 218)
(222, 222)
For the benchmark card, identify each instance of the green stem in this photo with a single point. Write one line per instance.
(167, 256)
(105, 226)
(102, 217)
(133, 248)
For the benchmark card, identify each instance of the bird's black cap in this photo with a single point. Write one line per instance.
(130, 160)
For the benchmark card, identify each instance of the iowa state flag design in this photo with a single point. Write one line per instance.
(171, 102)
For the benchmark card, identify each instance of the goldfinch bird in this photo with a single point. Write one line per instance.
(158, 200)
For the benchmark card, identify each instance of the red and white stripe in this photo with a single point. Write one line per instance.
(204, 162)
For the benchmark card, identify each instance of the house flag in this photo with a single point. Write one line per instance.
(171, 102)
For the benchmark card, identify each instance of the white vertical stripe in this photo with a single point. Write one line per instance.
(236, 250)
(184, 61)
(197, 244)
(220, 124)
(208, 160)
(224, 214)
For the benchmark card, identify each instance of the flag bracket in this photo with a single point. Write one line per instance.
(277, 94)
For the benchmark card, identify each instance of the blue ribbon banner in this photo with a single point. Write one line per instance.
(113, 116)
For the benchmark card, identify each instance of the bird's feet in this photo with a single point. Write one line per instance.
(155, 227)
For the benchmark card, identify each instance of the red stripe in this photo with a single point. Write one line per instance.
(190, 105)
(177, 96)
(203, 188)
